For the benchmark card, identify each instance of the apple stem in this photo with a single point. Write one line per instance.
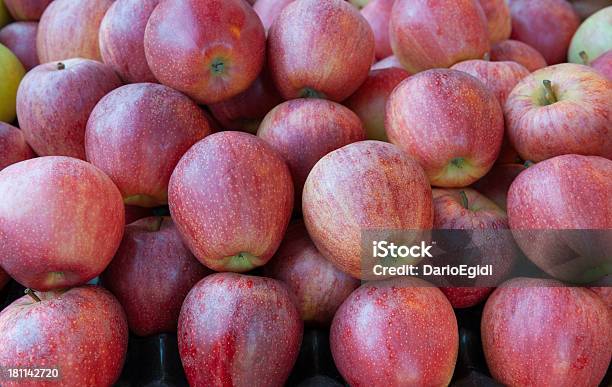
(487, 57)
(31, 293)
(549, 93)
(61, 66)
(584, 57)
(464, 199)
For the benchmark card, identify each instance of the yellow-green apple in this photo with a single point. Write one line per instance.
(69, 29)
(538, 332)
(559, 211)
(225, 51)
(561, 109)
(304, 130)
(318, 286)
(519, 52)
(603, 64)
(495, 184)
(390, 61)
(593, 38)
(320, 49)
(54, 102)
(151, 274)
(61, 221)
(449, 122)
(426, 35)
(80, 332)
(268, 10)
(137, 134)
(5, 17)
(27, 10)
(398, 332)
(498, 19)
(13, 146)
(546, 25)
(369, 101)
(378, 13)
(10, 77)
(359, 3)
(121, 38)
(248, 320)
(20, 38)
(231, 197)
(367, 185)
(4, 278)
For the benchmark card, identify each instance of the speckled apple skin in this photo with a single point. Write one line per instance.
(519, 52)
(603, 64)
(496, 184)
(325, 46)
(378, 13)
(122, 39)
(579, 123)
(368, 185)
(605, 293)
(82, 332)
(231, 193)
(151, 274)
(427, 34)
(69, 29)
(318, 286)
(20, 38)
(184, 38)
(439, 115)
(13, 146)
(399, 332)
(464, 297)
(537, 332)
(137, 134)
(499, 21)
(57, 214)
(238, 330)
(53, 105)
(268, 10)
(4, 278)
(26, 10)
(304, 130)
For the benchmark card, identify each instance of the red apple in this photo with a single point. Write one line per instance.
(268, 10)
(252, 332)
(4, 278)
(558, 110)
(61, 221)
(378, 13)
(27, 10)
(55, 100)
(399, 332)
(137, 134)
(304, 130)
(427, 34)
(151, 275)
(69, 29)
(586, 8)
(20, 38)
(13, 146)
(605, 293)
(603, 64)
(225, 50)
(546, 25)
(231, 197)
(519, 52)
(538, 332)
(320, 48)
(80, 332)
(593, 38)
(449, 122)
(390, 61)
(495, 184)
(466, 297)
(122, 39)
(498, 18)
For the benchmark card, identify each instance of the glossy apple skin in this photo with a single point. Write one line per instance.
(27, 10)
(578, 124)
(13, 146)
(230, 322)
(122, 39)
(495, 184)
(449, 122)
(388, 62)
(304, 130)
(378, 13)
(53, 104)
(370, 100)
(425, 35)
(4, 278)
(546, 25)
(137, 134)
(368, 185)
(231, 197)
(20, 38)
(320, 48)
(398, 332)
(151, 274)
(498, 19)
(268, 10)
(82, 332)
(225, 53)
(69, 29)
(318, 286)
(540, 333)
(61, 221)
(519, 52)
(594, 37)
(603, 64)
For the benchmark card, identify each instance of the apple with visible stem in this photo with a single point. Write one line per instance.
(247, 319)
(495, 184)
(561, 109)
(137, 134)
(388, 62)
(378, 13)
(55, 100)
(10, 77)
(82, 332)
(225, 53)
(268, 10)
(61, 221)
(498, 19)
(593, 38)
(603, 64)
(540, 332)
(4, 278)
(519, 52)
(359, 3)
(20, 38)
(27, 10)
(320, 49)
(455, 138)
(13, 146)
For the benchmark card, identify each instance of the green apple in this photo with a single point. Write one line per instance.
(593, 37)
(11, 72)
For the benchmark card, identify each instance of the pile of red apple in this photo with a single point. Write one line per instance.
(277, 133)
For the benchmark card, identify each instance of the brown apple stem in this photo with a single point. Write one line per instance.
(464, 199)
(487, 57)
(549, 93)
(584, 57)
(60, 66)
(31, 293)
